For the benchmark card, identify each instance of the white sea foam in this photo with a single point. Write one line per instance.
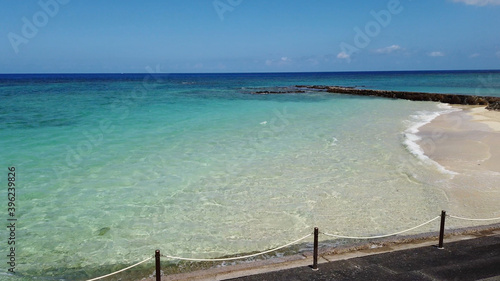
(411, 137)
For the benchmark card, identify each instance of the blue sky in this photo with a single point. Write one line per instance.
(81, 36)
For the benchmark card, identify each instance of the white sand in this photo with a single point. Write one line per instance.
(467, 142)
(482, 115)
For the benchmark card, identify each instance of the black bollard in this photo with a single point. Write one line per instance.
(441, 230)
(315, 253)
(158, 269)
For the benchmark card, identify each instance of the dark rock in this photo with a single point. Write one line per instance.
(494, 106)
(103, 231)
(279, 91)
(455, 100)
(492, 102)
(482, 101)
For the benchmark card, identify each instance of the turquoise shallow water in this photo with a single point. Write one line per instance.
(110, 167)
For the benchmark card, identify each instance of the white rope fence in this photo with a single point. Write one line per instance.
(469, 219)
(294, 242)
(122, 270)
(380, 236)
(241, 257)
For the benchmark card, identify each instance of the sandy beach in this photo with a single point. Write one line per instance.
(467, 142)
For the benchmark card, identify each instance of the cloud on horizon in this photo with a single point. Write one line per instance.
(478, 2)
(436, 54)
(343, 55)
(388, 50)
(278, 62)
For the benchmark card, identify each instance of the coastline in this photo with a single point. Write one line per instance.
(461, 140)
(461, 143)
(465, 142)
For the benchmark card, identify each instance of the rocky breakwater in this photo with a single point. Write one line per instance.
(492, 103)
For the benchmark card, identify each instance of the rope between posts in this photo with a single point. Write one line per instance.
(121, 270)
(291, 243)
(242, 257)
(381, 236)
(469, 219)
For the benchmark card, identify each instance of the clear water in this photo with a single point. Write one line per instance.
(112, 167)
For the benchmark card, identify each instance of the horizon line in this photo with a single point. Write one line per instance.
(249, 72)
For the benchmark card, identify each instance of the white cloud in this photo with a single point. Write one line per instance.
(475, 55)
(388, 50)
(436, 54)
(343, 55)
(281, 61)
(479, 2)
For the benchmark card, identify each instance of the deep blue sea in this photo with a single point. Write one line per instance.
(110, 167)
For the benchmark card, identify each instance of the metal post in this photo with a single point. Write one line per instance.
(315, 253)
(441, 230)
(158, 269)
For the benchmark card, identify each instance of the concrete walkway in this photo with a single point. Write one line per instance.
(473, 259)
(468, 254)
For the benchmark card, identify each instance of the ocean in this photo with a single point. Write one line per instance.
(110, 167)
